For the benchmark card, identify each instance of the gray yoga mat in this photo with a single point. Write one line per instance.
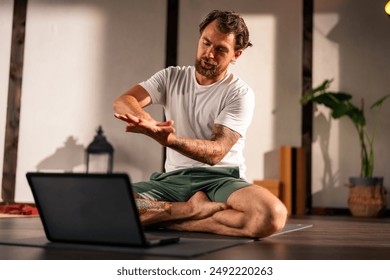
(191, 244)
(187, 247)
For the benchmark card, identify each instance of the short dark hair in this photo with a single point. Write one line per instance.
(229, 22)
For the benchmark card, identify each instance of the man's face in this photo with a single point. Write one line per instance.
(215, 52)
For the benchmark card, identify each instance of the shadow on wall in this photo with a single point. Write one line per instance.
(330, 178)
(324, 124)
(65, 158)
(322, 135)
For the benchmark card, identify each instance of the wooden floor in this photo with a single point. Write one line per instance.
(330, 238)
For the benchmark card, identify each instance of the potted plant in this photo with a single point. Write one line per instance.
(367, 196)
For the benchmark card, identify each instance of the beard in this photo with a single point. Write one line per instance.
(209, 68)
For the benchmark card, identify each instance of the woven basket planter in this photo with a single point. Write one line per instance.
(367, 198)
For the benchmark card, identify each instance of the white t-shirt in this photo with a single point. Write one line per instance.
(195, 109)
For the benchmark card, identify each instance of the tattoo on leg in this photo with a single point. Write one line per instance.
(145, 205)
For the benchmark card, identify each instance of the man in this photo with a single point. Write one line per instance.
(208, 111)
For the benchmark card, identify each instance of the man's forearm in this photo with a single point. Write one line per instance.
(129, 105)
(132, 102)
(207, 151)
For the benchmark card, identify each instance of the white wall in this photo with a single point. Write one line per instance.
(351, 45)
(79, 55)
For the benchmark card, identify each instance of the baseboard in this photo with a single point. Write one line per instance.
(328, 211)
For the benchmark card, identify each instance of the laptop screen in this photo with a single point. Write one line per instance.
(78, 207)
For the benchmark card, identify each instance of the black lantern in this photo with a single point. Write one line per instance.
(99, 154)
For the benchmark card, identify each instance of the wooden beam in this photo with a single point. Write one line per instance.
(307, 79)
(172, 33)
(14, 101)
(171, 42)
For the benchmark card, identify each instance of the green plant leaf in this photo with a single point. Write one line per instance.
(334, 101)
(340, 104)
(379, 102)
(357, 116)
(322, 87)
(313, 92)
(306, 98)
(341, 96)
(325, 99)
(341, 109)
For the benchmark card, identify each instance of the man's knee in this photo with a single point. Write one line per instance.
(265, 213)
(269, 221)
(278, 218)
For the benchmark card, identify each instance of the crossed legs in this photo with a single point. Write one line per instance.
(252, 211)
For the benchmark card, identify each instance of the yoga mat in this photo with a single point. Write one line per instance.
(29, 232)
(290, 228)
(187, 247)
(192, 244)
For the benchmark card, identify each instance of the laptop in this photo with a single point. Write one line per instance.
(90, 208)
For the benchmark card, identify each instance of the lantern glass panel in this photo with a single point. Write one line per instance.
(98, 163)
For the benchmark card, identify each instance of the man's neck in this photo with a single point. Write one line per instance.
(204, 81)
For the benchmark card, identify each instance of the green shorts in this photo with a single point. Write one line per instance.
(179, 185)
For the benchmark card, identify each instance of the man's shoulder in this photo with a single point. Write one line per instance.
(173, 73)
(236, 83)
(236, 80)
(180, 69)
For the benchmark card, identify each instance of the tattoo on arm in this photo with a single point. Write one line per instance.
(208, 151)
(144, 205)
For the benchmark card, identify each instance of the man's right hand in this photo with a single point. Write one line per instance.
(159, 131)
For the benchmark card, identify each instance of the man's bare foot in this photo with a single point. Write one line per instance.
(202, 207)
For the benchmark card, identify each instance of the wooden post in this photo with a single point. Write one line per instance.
(171, 40)
(172, 33)
(307, 77)
(14, 101)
